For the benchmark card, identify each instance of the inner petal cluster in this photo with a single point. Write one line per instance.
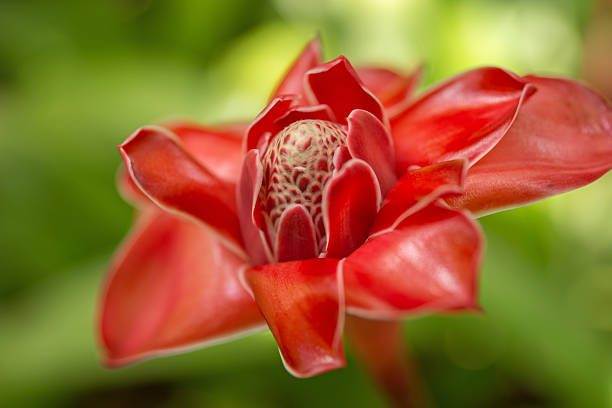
(297, 164)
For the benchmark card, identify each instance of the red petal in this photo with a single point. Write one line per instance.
(337, 85)
(370, 141)
(350, 203)
(316, 112)
(390, 87)
(463, 117)
(293, 82)
(296, 235)
(249, 211)
(416, 190)
(219, 149)
(429, 262)
(341, 156)
(129, 190)
(303, 304)
(171, 287)
(176, 181)
(380, 347)
(265, 123)
(561, 140)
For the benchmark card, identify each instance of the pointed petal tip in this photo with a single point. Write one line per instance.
(333, 363)
(293, 80)
(337, 84)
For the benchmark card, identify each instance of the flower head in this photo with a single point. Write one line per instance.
(345, 195)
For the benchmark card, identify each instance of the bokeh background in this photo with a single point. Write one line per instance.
(77, 77)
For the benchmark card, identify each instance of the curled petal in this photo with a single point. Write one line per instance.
(350, 203)
(264, 125)
(561, 140)
(463, 117)
(370, 141)
(172, 286)
(318, 112)
(428, 263)
(416, 190)
(176, 181)
(293, 82)
(249, 211)
(303, 304)
(218, 148)
(337, 85)
(296, 235)
(390, 87)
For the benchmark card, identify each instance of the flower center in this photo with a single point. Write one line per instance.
(296, 166)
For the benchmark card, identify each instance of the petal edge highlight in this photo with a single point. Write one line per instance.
(561, 140)
(303, 303)
(428, 263)
(177, 182)
(172, 287)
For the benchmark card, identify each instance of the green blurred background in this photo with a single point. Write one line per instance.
(77, 77)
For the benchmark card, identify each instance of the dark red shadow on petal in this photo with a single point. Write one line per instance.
(249, 210)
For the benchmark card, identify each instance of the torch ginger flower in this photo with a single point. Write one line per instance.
(345, 196)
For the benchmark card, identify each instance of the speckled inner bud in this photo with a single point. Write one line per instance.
(296, 166)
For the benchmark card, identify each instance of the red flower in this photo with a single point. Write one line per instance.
(346, 196)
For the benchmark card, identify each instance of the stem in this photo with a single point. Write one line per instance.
(380, 347)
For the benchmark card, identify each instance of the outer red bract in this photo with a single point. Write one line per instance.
(345, 195)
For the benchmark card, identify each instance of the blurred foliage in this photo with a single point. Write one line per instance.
(77, 77)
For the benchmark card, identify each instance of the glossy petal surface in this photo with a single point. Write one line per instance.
(293, 82)
(172, 286)
(417, 189)
(428, 263)
(350, 203)
(463, 117)
(296, 235)
(176, 181)
(370, 141)
(561, 140)
(337, 85)
(303, 304)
